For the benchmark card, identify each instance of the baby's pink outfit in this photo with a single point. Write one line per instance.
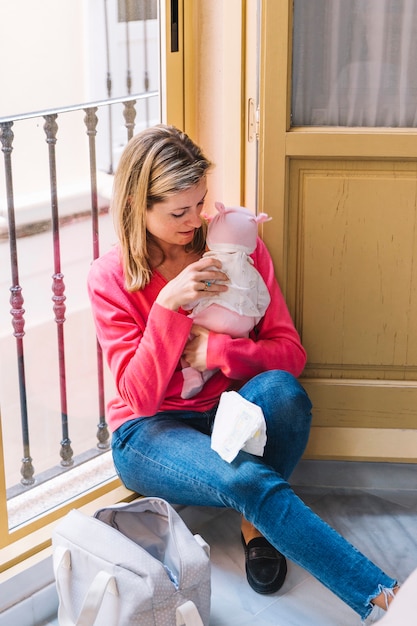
(231, 237)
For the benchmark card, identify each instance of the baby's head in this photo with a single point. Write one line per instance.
(233, 229)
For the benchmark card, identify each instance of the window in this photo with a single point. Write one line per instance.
(354, 63)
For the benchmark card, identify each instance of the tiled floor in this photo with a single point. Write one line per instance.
(379, 520)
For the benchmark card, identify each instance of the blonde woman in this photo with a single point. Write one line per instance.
(161, 442)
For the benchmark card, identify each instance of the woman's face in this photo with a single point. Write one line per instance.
(175, 220)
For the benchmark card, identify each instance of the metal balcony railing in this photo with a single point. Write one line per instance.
(66, 456)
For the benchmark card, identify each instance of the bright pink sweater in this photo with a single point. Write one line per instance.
(143, 342)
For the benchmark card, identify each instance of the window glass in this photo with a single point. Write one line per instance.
(354, 63)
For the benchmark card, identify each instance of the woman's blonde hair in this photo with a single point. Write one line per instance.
(155, 164)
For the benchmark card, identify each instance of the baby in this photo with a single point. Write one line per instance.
(231, 238)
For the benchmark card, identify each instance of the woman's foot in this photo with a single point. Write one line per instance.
(266, 568)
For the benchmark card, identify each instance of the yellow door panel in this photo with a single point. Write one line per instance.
(362, 404)
(351, 286)
(352, 266)
(368, 444)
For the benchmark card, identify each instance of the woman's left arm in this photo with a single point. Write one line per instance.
(276, 344)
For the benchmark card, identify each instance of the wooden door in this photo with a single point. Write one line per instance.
(344, 242)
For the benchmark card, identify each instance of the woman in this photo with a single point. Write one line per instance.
(161, 442)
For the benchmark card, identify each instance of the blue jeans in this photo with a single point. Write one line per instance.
(169, 455)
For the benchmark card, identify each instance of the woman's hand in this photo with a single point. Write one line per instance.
(196, 281)
(195, 351)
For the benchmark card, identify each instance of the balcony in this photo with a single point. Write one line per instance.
(56, 171)
(56, 167)
(54, 450)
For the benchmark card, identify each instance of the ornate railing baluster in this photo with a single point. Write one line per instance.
(129, 113)
(58, 288)
(16, 300)
(91, 121)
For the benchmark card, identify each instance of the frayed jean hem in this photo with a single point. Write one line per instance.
(388, 593)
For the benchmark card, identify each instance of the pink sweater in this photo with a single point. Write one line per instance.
(143, 342)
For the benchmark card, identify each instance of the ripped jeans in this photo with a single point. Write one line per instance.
(169, 455)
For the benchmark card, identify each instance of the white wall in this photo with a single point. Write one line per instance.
(54, 55)
(40, 39)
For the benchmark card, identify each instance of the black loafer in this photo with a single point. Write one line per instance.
(266, 568)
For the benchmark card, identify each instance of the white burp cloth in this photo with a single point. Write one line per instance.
(238, 425)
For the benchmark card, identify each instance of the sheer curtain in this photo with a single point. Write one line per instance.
(355, 63)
